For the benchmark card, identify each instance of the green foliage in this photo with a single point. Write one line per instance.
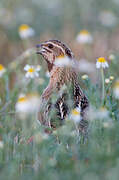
(29, 152)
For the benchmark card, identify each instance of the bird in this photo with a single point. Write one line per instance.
(50, 50)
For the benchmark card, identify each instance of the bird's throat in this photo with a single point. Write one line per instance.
(50, 66)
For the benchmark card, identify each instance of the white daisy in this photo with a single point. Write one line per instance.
(76, 115)
(84, 37)
(62, 61)
(116, 89)
(26, 31)
(101, 63)
(2, 70)
(28, 103)
(32, 72)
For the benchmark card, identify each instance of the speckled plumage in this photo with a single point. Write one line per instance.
(60, 76)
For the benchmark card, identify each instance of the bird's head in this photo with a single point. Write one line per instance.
(52, 49)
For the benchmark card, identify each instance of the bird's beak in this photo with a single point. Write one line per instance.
(39, 48)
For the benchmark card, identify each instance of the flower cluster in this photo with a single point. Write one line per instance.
(109, 80)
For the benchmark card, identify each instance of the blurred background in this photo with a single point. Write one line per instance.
(91, 29)
(62, 20)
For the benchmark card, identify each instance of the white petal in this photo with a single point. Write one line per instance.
(32, 67)
(81, 38)
(103, 65)
(26, 33)
(32, 75)
(107, 65)
(36, 74)
(31, 32)
(27, 75)
(27, 67)
(98, 65)
(38, 68)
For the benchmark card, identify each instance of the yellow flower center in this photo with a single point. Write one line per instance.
(22, 99)
(24, 27)
(84, 32)
(101, 60)
(1, 67)
(31, 70)
(75, 112)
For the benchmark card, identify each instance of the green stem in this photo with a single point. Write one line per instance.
(7, 86)
(103, 87)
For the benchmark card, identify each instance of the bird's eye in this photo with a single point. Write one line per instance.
(50, 46)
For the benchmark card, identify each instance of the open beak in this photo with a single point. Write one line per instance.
(40, 49)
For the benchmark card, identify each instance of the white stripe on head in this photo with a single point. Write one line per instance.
(56, 45)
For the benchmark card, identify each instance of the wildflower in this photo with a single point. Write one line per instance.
(84, 37)
(1, 144)
(76, 115)
(111, 78)
(116, 89)
(107, 18)
(107, 80)
(26, 31)
(101, 113)
(62, 61)
(32, 72)
(111, 57)
(2, 70)
(85, 76)
(28, 103)
(101, 62)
